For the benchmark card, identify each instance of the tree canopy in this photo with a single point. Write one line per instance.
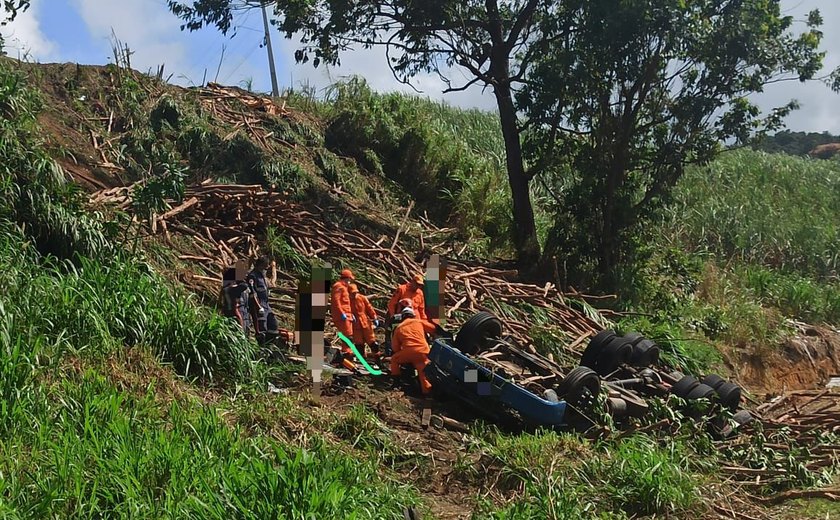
(621, 93)
(642, 88)
(794, 143)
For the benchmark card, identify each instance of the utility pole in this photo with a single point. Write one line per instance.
(274, 90)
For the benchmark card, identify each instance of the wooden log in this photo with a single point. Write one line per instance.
(439, 422)
(192, 201)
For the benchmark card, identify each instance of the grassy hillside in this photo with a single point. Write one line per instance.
(122, 395)
(748, 241)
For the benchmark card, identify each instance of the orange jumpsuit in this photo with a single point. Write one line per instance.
(340, 303)
(417, 299)
(364, 314)
(410, 347)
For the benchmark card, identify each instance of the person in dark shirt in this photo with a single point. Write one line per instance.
(264, 318)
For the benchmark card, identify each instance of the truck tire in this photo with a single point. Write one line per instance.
(645, 353)
(713, 380)
(729, 395)
(580, 386)
(596, 345)
(614, 354)
(685, 385)
(633, 338)
(478, 333)
(702, 391)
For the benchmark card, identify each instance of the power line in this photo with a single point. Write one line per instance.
(246, 58)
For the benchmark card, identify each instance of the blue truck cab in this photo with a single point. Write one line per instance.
(487, 391)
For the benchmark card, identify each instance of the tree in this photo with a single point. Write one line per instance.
(11, 8)
(641, 89)
(494, 41)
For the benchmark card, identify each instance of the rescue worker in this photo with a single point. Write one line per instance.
(340, 309)
(413, 290)
(365, 320)
(410, 346)
(264, 319)
(392, 320)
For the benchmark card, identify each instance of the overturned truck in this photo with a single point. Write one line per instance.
(484, 369)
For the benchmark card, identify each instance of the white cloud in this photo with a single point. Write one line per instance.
(148, 29)
(818, 104)
(24, 37)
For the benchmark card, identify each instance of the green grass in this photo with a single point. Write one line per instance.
(747, 242)
(756, 208)
(451, 161)
(90, 450)
(564, 476)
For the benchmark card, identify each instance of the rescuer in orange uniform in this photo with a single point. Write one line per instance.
(340, 308)
(365, 319)
(413, 290)
(410, 347)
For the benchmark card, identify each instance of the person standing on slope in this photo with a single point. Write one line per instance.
(340, 309)
(263, 316)
(413, 290)
(365, 320)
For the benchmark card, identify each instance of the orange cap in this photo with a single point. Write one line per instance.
(418, 279)
(354, 288)
(347, 273)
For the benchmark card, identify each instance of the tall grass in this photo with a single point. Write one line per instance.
(566, 477)
(746, 242)
(92, 451)
(451, 161)
(36, 193)
(777, 211)
(96, 307)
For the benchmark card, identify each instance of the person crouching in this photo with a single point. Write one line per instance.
(408, 342)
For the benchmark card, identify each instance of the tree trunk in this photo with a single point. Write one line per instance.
(525, 230)
(609, 244)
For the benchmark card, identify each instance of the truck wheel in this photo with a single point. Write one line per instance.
(713, 380)
(685, 385)
(702, 391)
(645, 353)
(596, 345)
(617, 407)
(633, 338)
(729, 395)
(616, 353)
(743, 417)
(478, 333)
(580, 387)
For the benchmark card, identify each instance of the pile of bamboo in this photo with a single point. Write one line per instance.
(808, 420)
(216, 92)
(251, 119)
(227, 222)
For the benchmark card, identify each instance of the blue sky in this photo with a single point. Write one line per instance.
(80, 31)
